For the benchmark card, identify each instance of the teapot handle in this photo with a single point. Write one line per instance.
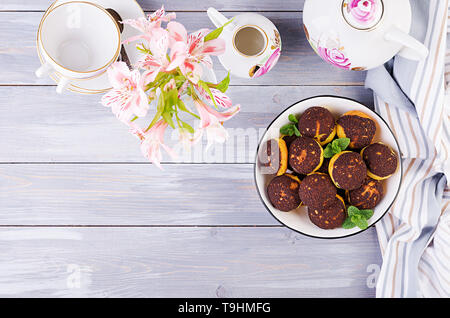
(412, 49)
(217, 18)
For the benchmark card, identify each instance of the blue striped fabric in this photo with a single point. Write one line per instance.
(414, 236)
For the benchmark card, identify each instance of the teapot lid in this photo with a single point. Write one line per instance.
(362, 14)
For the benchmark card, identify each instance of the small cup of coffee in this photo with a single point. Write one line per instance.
(253, 43)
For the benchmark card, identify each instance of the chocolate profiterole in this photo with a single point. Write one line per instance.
(367, 196)
(305, 155)
(273, 157)
(317, 190)
(283, 192)
(329, 217)
(347, 170)
(380, 159)
(318, 123)
(357, 126)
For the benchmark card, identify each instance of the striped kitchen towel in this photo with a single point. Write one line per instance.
(414, 235)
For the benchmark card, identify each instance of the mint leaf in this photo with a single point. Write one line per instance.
(357, 217)
(342, 143)
(296, 131)
(293, 119)
(287, 129)
(348, 224)
(352, 210)
(223, 85)
(335, 147)
(328, 152)
(360, 221)
(215, 33)
(367, 214)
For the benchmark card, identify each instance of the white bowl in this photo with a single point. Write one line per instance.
(298, 219)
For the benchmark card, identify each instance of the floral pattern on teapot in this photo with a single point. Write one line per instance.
(329, 49)
(362, 14)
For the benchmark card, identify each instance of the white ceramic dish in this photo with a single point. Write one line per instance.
(127, 9)
(298, 219)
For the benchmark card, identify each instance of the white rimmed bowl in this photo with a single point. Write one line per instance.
(298, 219)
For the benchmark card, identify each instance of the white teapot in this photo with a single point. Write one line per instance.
(360, 34)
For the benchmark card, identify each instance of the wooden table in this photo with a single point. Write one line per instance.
(83, 214)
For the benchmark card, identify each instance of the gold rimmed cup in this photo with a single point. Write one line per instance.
(78, 40)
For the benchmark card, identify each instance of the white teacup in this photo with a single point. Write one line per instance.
(79, 40)
(253, 43)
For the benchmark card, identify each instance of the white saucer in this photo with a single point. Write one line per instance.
(127, 9)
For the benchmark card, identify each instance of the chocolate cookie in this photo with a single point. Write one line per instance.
(288, 139)
(367, 196)
(272, 157)
(357, 126)
(305, 155)
(347, 170)
(283, 193)
(380, 159)
(317, 190)
(318, 123)
(329, 217)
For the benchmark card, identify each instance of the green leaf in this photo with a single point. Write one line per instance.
(335, 147)
(155, 119)
(296, 131)
(367, 214)
(342, 143)
(293, 119)
(183, 108)
(352, 210)
(171, 98)
(348, 224)
(223, 85)
(216, 33)
(168, 118)
(328, 151)
(206, 88)
(360, 221)
(187, 127)
(159, 111)
(287, 129)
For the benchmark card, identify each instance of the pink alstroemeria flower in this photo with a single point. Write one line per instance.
(187, 139)
(221, 98)
(158, 61)
(197, 50)
(211, 122)
(153, 141)
(127, 97)
(147, 25)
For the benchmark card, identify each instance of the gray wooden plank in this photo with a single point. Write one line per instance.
(183, 262)
(298, 65)
(130, 194)
(37, 125)
(176, 5)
